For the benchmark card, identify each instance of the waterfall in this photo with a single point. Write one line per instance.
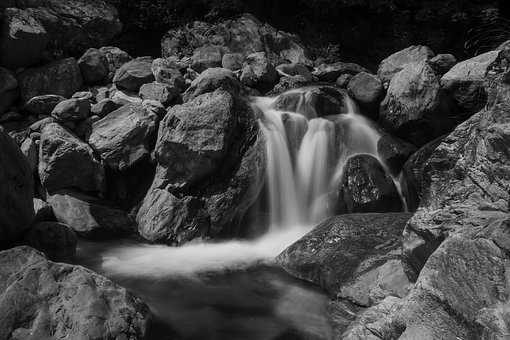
(307, 152)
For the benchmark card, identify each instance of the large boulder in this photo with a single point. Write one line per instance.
(210, 80)
(465, 82)
(368, 91)
(67, 162)
(355, 257)
(115, 58)
(54, 239)
(71, 110)
(90, 217)
(124, 136)
(258, 72)
(94, 66)
(366, 187)
(206, 57)
(243, 35)
(133, 74)
(416, 108)
(16, 191)
(397, 61)
(168, 72)
(64, 301)
(9, 92)
(62, 77)
(163, 93)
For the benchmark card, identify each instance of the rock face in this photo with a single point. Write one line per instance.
(243, 35)
(61, 78)
(90, 217)
(67, 162)
(64, 301)
(16, 191)
(397, 61)
(124, 136)
(133, 74)
(465, 81)
(416, 108)
(366, 187)
(355, 257)
(54, 239)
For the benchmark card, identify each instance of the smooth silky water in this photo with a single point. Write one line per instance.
(232, 289)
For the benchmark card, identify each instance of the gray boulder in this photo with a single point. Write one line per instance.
(54, 239)
(167, 72)
(331, 72)
(397, 61)
(43, 105)
(94, 66)
(71, 110)
(442, 63)
(258, 72)
(133, 74)
(205, 57)
(163, 93)
(210, 80)
(368, 91)
(394, 152)
(115, 58)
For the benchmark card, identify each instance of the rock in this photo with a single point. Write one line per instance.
(16, 191)
(22, 39)
(40, 124)
(258, 72)
(442, 63)
(343, 80)
(368, 91)
(43, 105)
(124, 136)
(54, 239)
(465, 82)
(293, 70)
(94, 66)
(89, 217)
(331, 72)
(88, 95)
(394, 152)
(104, 107)
(416, 109)
(115, 58)
(167, 72)
(163, 93)
(356, 257)
(67, 162)
(61, 78)
(245, 35)
(133, 74)
(206, 57)
(31, 152)
(8, 89)
(288, 83)
(122, 98)
(397, 61)
(211, 80)
(232, 61)
(64, 301)
(366, 187)
(43, 211)
(71, 110)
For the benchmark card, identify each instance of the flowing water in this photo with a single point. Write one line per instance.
(232, 290)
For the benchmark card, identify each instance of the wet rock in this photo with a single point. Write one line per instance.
(442, 63)
(368, 92)
(465, 82)
(356, 257)
(211, 80)
(397, 61)
(288, 83)
(54, 239)
(56, 291)
(90, 217)
(115, 58)
(293, 70)
(94, 66)
(394, 152)
(71, 110)
(163, 93)
(167, 72)
(67, 162)
(103, 108)
(133, 74)
(8, 89)
(331, 72)
(43, 211)
(232, 61)
(366, 187)
(124, 136)
(61, 78)
(206, 57)
(416, 108)
(43, 105)
(16, 191)
(258, 72)
(343, 80)
(23, 39)
(40, 124)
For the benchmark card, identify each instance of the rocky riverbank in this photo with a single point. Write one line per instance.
(170, 150)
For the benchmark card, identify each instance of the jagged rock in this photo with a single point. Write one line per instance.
(442, 63)
(61, 78)
(331, 72)
(42, 299)
(43, 105)
(104, 107)
(94, 66)
(211, 80)
(115, 58)
(205, 57)
(366, 187)
(465, 82)
(22, 39)
(232, 61)
(163, 93)
(71, 110)
(16, 191)
(133, 74)
(8, 89)
(258, 72)
(243, 35)
(397, 61)
(356, 257)
(54, 239)
(416, 109)
(368, 91)
(394, 152)
(89, 217)
(67, 162)
(124, 136)
(167, 72)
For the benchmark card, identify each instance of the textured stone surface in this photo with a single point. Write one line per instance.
(133, 74)
(210, 80)
(54, 239)
(397, 61)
